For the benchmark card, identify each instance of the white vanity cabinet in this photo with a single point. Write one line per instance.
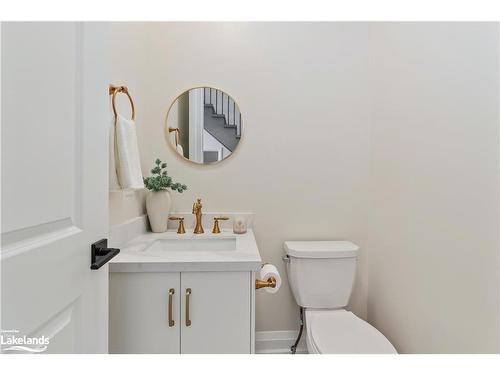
(181, 312)
(189, 293)
(138, 312)
(219, 310)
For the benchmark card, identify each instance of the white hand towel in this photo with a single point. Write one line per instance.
(173, 137)
(178, 147)
(128, 164)
(180, 150)
(113, 178)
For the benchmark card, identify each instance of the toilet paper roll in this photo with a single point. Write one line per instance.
(267, 271)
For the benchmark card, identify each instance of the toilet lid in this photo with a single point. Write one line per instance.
(340, 331)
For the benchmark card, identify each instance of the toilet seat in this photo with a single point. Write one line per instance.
(342, 332)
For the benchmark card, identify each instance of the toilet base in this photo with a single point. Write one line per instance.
(338, 331)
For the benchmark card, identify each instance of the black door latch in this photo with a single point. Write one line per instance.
(101, 254)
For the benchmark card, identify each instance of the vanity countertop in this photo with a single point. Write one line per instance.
(172, 252)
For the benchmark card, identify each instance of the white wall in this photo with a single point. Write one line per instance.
(433, 244)
(301, 164)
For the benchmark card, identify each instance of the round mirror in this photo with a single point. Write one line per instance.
(204, 125)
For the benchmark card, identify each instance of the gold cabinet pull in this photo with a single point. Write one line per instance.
(188, 294)
(171, 293)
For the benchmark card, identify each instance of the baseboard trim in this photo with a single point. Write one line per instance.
(278, 342)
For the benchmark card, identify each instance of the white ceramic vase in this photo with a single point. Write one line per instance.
(158, 205)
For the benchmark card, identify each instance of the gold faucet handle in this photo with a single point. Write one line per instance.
(180, 229)
(216, 228)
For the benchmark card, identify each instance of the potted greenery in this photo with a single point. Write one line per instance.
(158, 198)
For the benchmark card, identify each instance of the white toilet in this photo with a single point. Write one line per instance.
(321, 276)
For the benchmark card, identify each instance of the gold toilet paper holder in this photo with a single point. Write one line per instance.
(269, 283)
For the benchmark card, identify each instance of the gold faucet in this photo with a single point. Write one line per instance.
(198, 229)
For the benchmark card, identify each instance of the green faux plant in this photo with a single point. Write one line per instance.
(161, 180)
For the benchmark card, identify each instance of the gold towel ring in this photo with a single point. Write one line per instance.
(113, 90)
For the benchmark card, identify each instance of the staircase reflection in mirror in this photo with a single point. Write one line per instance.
(204, 125)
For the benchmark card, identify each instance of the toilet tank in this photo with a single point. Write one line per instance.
(321, 273)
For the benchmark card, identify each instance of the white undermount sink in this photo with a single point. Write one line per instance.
(192, 244)
(172, 252)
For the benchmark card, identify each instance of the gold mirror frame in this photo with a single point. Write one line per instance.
(167, 132)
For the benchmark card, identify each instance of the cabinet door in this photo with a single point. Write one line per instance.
(140, 306)
(219, 312)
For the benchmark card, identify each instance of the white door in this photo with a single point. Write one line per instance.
(216, 312)
(144, 313)
(54, 184)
